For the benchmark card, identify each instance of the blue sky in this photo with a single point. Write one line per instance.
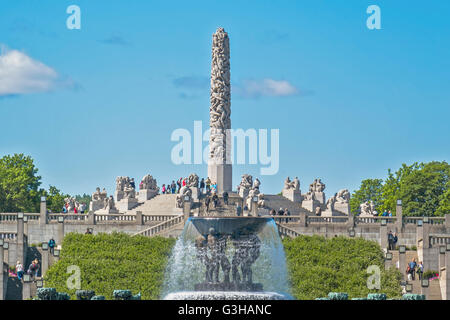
(105, 99)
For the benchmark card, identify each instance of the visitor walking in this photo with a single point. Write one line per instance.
(225, 197)
(19, 270)
(88, 231)
(33, 269)
(179, 184)
(420, 270)
(207, 201)
(208, 185)
(51, 245)
(238, 209)
(163, 189)
(390, 240)
(280, 212)
(133, 185)
(287, 213)
(174, 187)
(395, 241)
(215, 200)
(273, 212)
(202, 185)
(411, 270)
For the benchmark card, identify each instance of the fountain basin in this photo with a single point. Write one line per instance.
(226, 295)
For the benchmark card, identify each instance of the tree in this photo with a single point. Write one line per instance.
(55, 199)
(85, 198)
(19, 184)
(424, 190)
(370, 189)
(391, 187)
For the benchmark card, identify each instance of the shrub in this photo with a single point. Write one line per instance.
(376, 296)
(338, 296)
(359, 298)
(411, 296)
(98, 298)
(62, 296)
(84, 294)
(430, 274)
(319, 265)
(322, 299)
(122, 294)
(46, 294)
(111, 261)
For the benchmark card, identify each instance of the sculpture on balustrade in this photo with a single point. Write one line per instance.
(193, 181)
(99, 195)
(261, 201)
(288, 184)
(330, 203)
(251, 194)
(109, 204)
(256, 184)
(318, 211)
(148, 183)
(245, 185)
(310, 195)
(367, 209)
(184, 192)
(123, 183)
(129, 192)
(317, 186)
(343, 196)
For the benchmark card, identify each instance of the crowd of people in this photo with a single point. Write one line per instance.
(414, 268)
(281, 212)
(206, 186)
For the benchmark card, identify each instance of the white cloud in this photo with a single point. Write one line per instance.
(20, 74)
(265, 87)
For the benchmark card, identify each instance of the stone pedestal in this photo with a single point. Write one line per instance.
(126, 204)
(310, 205)
(342, 207)
(383, 237)
(222, 174)
(26, 290)
(147, 194)
(320, 196)
(118, 195)
(195, 193)
(292, 194)
(402, 264)
(43, 211)
(95, 205)
(44, 262)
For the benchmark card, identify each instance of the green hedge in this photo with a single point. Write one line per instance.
(111, 261)
(319, 265)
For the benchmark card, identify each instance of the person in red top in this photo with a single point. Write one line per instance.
(184, 182)
(163, 188)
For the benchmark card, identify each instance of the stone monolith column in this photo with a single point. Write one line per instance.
(219, 165)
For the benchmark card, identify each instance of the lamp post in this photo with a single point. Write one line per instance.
(351, 232)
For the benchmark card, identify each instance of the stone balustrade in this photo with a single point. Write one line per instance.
(163, 226)
(8, 235)
(437, 240)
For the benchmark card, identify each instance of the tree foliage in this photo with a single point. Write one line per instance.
(111, 262)
(370, 189)
(318, 266)
(424, 189)
(19, 184)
